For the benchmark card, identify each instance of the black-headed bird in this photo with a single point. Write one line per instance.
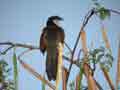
(51, 36)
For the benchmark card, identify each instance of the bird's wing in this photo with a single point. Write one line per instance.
(43, 42)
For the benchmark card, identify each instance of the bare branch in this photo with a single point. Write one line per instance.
(69, 60)
(37, 75)
(30, 48)
(6, 50)
(90, 80)
(64, 73)
(79, 53)
(68, 47)
(32, 71)
(11, 44)
(19, 45)
(107, 76)
(75, 62)
(114, 11)
(26, 51)
(87, 17)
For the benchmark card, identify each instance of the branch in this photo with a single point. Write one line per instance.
(90, 80)
(114, 11)
(68, 47)
(108, 78)
(19, 45)
(32, 71)
(37, 75)
(6, 50)
(11, 45)
(30, 48)
(87, 17)
(75, 62)
(69, 60)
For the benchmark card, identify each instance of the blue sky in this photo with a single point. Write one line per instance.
(22, 21)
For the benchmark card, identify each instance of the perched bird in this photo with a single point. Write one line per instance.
(51, 36)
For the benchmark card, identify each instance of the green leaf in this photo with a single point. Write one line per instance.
(103, 13)
(81, 75)
(15, 70)
(96, 51)
(4, 75)
(110, 57)
(72, 85)
(43, 85)
(100, 57)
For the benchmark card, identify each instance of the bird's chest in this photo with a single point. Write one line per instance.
(52, 36)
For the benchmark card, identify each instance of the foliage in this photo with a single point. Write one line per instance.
(81, 76)
(103, 13)
(6, 83)
(43, 86)
(72, 85)
(101, 56)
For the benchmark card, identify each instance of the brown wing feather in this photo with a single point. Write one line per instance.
(62, 35)
(43, 42)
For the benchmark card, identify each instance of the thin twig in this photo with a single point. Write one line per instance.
(118, 68)
(24, 46)
(6, 50)
(37, 75)
(90, 80)
(69, 60)
(87, 17)
(19, 45)
(114, 11)
(32, 48)
(98, 85)
(68, 47)
(107, 76)
(32, 71)
(79, 53)
(24, 52)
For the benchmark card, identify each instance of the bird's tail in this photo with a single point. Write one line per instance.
(51, 64)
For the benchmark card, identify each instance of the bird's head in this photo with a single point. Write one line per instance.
(54, 20)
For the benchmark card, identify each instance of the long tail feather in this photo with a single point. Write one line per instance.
(51, 64)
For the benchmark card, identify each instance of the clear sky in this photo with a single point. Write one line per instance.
(22, 21)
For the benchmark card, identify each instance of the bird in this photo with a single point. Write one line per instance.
(52, 34)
